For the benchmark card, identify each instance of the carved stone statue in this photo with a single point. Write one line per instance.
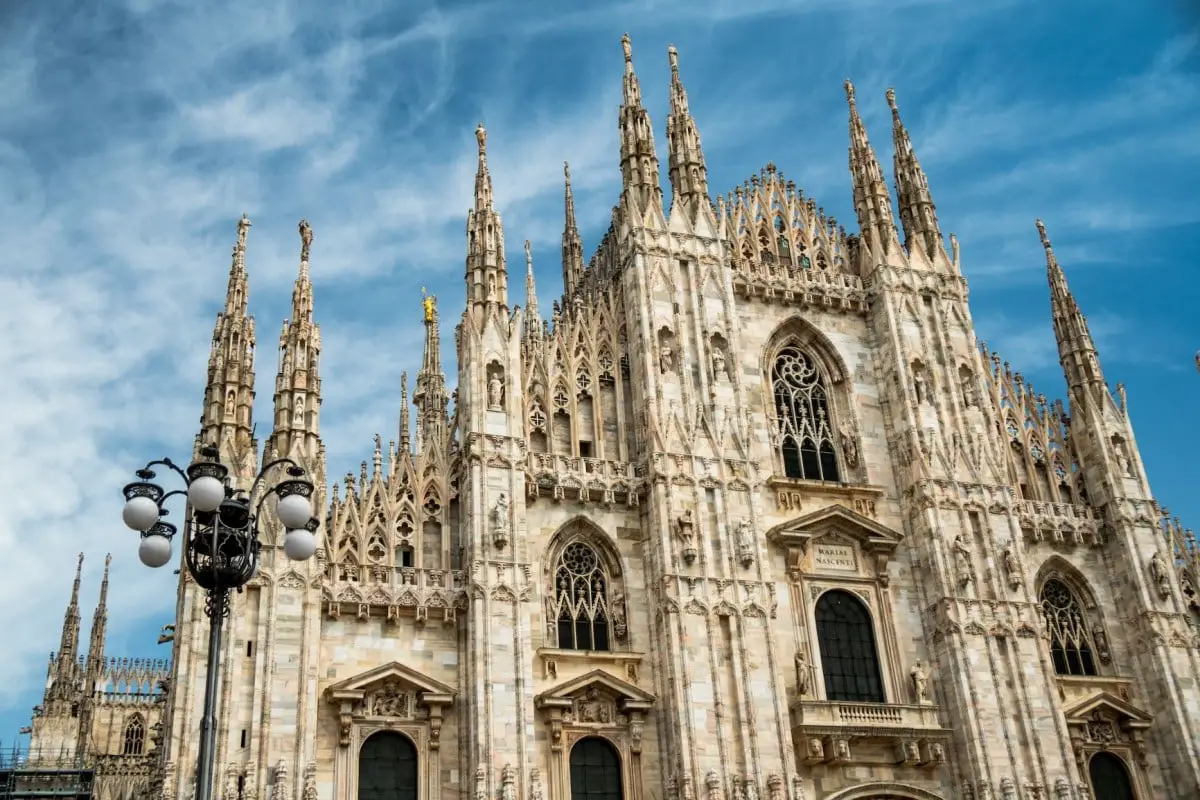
(919, 385)
(962, 561)
(720, 372)
(970, 397)
(1011, 568)
(745, 542)
(920, 683)
(592, 708)
(685, 530)
(849, 446)
(1158, 571)
(617, 611)
(508, 783)
(491, 290)
(803, 674)
(666, 358)
(298, 414)
(390, 701)
(495, 393)
(500, 521)
(429, 303)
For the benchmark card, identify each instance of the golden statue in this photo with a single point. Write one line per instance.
(430, 304)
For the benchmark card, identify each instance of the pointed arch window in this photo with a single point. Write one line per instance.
(1072, 648)
(135, 736)
(387, 768)
(802, 411)
(1110, 777)
(849, 657)
(581, 599)
(595, 770)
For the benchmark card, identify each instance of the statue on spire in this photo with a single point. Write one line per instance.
(306, 238)
(481, 138)
(429, 303)
(627, 46)
(243, 228)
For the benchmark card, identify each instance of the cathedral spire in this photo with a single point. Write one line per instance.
(1076, 348)
(572, 244)
(65, 663)
(405, 438)
(639, 160)
(487, 277)
(229, 394)
(296, 431)
(533, 320)
(871, 199)
(689, 175)
(917, 212)
(430, 397)
(95, 661)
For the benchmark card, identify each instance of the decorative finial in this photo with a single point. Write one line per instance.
(528, 256)
(891, 99)
(567, 171)
(628, 48)
(481, 137)
(306, 238)
(243, 225)
(849, 91)
(79, 563)
(673, 57)
(107, 562)
(429, 303)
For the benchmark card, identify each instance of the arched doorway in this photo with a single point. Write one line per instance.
(387, 768)
(595, 770)
(1110, 778)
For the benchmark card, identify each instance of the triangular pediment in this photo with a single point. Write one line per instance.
(1108, 705)
(836, 520)
(357, 687)
(626, 695)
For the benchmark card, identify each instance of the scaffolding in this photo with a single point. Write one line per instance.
(35, 775)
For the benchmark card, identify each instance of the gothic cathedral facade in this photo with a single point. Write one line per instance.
(749, 514)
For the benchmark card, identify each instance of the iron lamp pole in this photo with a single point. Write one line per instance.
(220, 549)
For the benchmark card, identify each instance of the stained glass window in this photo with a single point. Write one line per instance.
(595, 770)
(805, 426)
(387, 768)
(135, 736)
(581, 598)
(1071, 647)
(1110, 778)
(849, 658)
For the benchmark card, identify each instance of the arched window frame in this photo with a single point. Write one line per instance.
(863, 601)
(134, 736)
(832, 373)
(581, 531)
(611, 748)
(1094, 630)
(1130, 771)
(407, 738)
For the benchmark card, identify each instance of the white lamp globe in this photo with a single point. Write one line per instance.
(140, 513)
(294, 511)
(299, 545)
(206, 493)
(155, 550)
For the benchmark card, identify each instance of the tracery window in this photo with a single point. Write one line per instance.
(802, 408)
(595, 770)
(135, 736)
(1071, 647)
(581, 599)
(387, 768)
(849, 657)
(1110, 777)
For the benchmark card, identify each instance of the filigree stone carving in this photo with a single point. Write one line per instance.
(390, 701)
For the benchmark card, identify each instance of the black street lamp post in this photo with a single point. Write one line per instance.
(221, 548)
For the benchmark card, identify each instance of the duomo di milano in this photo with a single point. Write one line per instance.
(752, 516)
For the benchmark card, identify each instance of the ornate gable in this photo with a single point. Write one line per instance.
(596, 703)
(1105, 707)
(835, 539)
(390, 692)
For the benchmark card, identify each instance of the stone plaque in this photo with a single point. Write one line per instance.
(836, 557)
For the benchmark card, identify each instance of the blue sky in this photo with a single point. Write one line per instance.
(134, 133)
